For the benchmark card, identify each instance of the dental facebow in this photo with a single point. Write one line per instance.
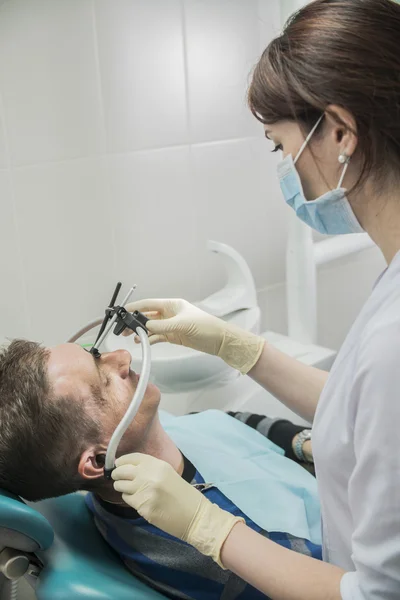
(119, 317)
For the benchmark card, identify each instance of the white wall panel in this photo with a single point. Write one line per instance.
(48, 80)
(14, 320)
(67, 246)
(141, 58)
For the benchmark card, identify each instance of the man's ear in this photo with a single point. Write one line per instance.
(91, 463)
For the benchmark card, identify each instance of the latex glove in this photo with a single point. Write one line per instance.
(167, 501)
(182, 323)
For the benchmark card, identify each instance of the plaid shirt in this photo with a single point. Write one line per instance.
(171, 566)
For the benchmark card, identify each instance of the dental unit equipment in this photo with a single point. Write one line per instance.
(122, 319)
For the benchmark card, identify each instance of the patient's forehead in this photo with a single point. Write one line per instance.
(71, 370)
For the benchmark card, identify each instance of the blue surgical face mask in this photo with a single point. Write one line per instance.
(331, 213)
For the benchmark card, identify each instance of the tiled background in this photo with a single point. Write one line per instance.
(126, 143)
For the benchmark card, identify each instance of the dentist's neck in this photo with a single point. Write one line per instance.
(380, 217)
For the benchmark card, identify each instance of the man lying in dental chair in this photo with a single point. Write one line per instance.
(58, 409)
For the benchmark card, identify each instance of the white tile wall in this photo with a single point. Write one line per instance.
(67, 246)
(140, 44)
(238, 202)
(3, 145)
(156, 237)
(13, 314)
(289, 6)
(222, 46)
(126, 143)
(269, 22)
(48, 80)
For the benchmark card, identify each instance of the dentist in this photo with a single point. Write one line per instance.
(328, 93)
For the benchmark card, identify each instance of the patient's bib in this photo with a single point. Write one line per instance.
(275, 492)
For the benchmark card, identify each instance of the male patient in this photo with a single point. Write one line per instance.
(58, 409)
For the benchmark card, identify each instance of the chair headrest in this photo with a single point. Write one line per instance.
(16, 516)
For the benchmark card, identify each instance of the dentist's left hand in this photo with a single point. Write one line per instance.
(164, 499)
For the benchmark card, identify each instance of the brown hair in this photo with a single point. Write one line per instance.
(343, 52)
(41, 436)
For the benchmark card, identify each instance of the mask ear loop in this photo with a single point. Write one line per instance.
(346, 166)
(308, 138)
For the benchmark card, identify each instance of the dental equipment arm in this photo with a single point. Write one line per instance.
(164, 499)
(296, 385)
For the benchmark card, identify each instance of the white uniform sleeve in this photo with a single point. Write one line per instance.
(374, 486)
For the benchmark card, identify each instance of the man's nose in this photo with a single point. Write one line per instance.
(120, 360)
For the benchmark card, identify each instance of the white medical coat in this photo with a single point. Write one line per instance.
(356, 442)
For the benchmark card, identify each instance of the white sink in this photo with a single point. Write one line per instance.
(179, 369)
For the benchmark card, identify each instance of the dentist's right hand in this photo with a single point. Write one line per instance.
(179, 322)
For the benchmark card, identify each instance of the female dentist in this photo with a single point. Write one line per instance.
(328, 93)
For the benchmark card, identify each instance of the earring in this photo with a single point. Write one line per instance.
(343, 158)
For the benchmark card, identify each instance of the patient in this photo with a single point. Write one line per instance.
(58, 409)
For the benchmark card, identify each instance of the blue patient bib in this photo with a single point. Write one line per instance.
(275, 492)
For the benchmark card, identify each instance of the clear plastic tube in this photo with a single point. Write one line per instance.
(136, 401)
(84, 330)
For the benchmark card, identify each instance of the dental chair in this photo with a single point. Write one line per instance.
(55, 545)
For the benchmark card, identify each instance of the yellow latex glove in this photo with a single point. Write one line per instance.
(167, 501)
(181, 323)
